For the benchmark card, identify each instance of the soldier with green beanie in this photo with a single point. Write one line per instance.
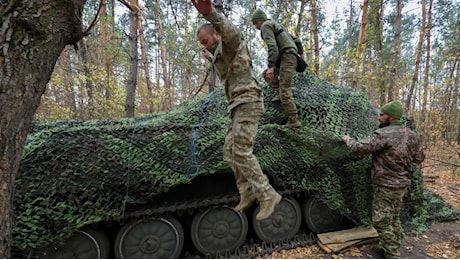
(282, 62)
(393, 109)
(227, 50)
(394, 147)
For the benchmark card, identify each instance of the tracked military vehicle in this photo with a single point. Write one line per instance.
(156, 186)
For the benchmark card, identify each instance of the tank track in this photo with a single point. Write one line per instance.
(249, 249)
(254, 250)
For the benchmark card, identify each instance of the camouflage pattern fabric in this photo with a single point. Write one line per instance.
(238, 149)
(394, 148)
(234, 65)
(287, 70)
(78, 173)
(277, 43)
(245, 105)
(386, 211)
(282, 82)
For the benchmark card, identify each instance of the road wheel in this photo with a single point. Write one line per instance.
(151, 238)
(218, 230)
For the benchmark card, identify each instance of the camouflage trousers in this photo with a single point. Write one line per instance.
(386, 210)
(283, 84)
(238, 149)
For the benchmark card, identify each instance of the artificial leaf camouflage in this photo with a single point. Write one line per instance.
(75, 173)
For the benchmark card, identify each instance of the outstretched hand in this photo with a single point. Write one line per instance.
(203, 6)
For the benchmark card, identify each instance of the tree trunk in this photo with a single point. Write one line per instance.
(454, 82)
(382, 76)
(33, 35)
(361, 42)
(87, 81)
(299, 20)
(314, 29)
(167, 103)
(417, 59)
(427, 69)
(106, 36)
(145, 64)
(350, 44)
(68, 80)
(393, 88)
(133, 64)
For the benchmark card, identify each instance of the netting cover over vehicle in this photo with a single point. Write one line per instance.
(75, 173)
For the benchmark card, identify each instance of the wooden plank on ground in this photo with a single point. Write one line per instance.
(336, 247)
(347, 235)
(339, 247)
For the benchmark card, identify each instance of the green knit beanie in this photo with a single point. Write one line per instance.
(393, 109)
(258, 15)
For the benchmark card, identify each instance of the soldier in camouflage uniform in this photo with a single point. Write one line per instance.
(394, 147)
(282, 48)
(232, 62)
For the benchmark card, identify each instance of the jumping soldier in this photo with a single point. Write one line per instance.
(394, 147)
(232, 62)
(281, 47)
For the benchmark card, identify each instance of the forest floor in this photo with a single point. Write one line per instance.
(441, 239)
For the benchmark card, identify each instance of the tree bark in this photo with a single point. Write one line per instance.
(87, 83)
(361, 42)
(167, 103)
(427, 69)
(314, 29)
(418, 58)
(348, 80)
(33, 35)
(106, 36)
(393, 88)
(454, 82)
(69, 96)
(145, 64)
(133, 65)
(299, 20)
(382, 76)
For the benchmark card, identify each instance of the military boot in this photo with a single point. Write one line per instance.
(246, 200)
(268, 200)
(293, 121)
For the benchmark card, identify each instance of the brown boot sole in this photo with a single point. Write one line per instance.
(272, 206)
(241, 207)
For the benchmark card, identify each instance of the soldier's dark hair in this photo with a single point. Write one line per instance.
(207, 27)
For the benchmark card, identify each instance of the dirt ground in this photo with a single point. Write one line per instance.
(441, 240)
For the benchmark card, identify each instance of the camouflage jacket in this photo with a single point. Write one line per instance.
(394, 148)
(232, 62)
(278, 39)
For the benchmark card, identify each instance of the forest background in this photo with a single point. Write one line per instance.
(143, 57)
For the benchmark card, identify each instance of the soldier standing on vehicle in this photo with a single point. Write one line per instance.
(232, 62)
(394, 147)
(282, 48)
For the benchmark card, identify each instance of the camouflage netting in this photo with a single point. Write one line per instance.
(75, 173)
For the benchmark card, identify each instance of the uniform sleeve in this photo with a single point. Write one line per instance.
(366, 147)
(268, 36)
(298, 43)
(231, 37)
